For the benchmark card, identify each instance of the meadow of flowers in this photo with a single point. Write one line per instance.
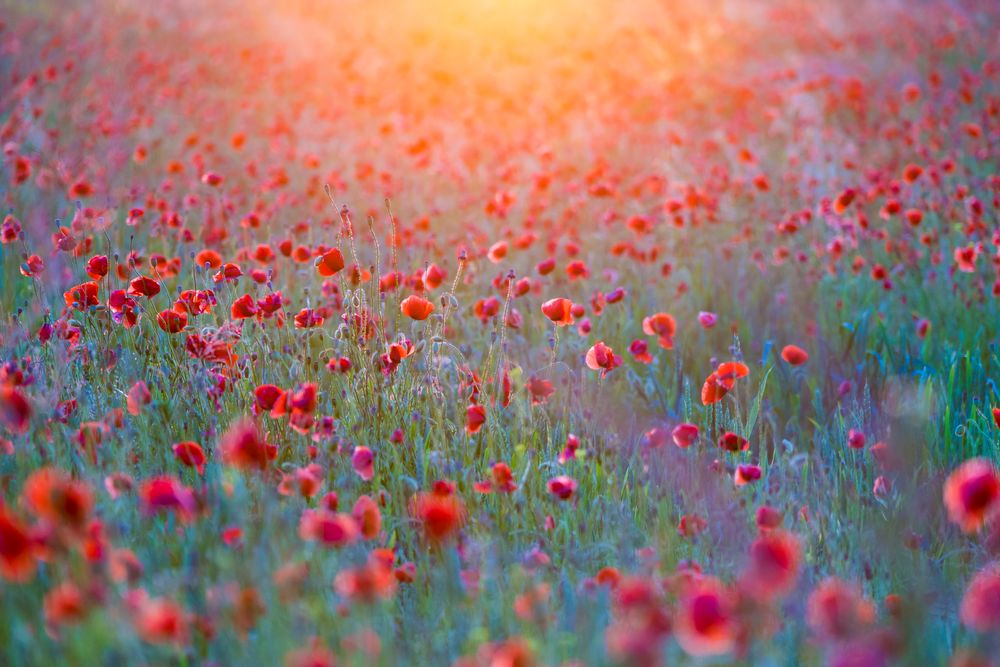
(500, 334)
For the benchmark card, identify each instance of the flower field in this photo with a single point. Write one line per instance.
(500, 334)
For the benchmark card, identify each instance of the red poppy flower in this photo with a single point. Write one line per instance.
(368, 583)
(433, 276)
(162, 621)
(539, 389)
(441, 515)
(794, 355)
(768, 518)
(243, 447)
(855, 439)
(166, 494)
(315, 655)
(562, 487)
(32, 266)
(603, 358)
(271, 303)
(243, 308)
(746, 473)
(980, 609)
(211, 178)
(640, 350)
(329, 528)
(559, 311)
(229, 273)
(305, 482)
(80, 190)
(10, 230)
(143, 286)
(843, 200)
(914, 216)
(972, 494)
(97, 267)
(497, 252)
(685, 435)
(577, 270)
(475, 417)
(485, 309)
(368, 517)
(191, 454)
(64, 605)
(663, 326)
(774, 563)
(304, 398)
(195, 302)
(416, 308)
(836, 611)
(307, 318)
(330, 263)
(720, 382)
(15, 410)
(705, 622)
(363, 462)
(208, 258)
(52, 495)
(731, 442)
(266, 396)
(17, 551)
(569, 451)
(691, 525)
(655, 438)
(138, 397)
(171, 321)
(501, 480)
(82, 296)
(118, 483)
(911, 172)
(965, 258)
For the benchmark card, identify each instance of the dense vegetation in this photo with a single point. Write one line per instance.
(499, 333)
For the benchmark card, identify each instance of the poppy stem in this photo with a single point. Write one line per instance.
(715, 432)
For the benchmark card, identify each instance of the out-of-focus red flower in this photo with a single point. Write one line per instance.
(363, 462)
(980, 609)
(440, 515)
(329, 528)
(244, 447)
(836, 610)
(684, 435)
(52, 495)
(15, 409)
(562, 487)
(17, 548)
(794, 355)
(773, 566)
(162, 621)
(475, 417)
(191, 454)
(138, 397)
(663, 326)
(972, 494)
(705, 623)
(368, 517)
